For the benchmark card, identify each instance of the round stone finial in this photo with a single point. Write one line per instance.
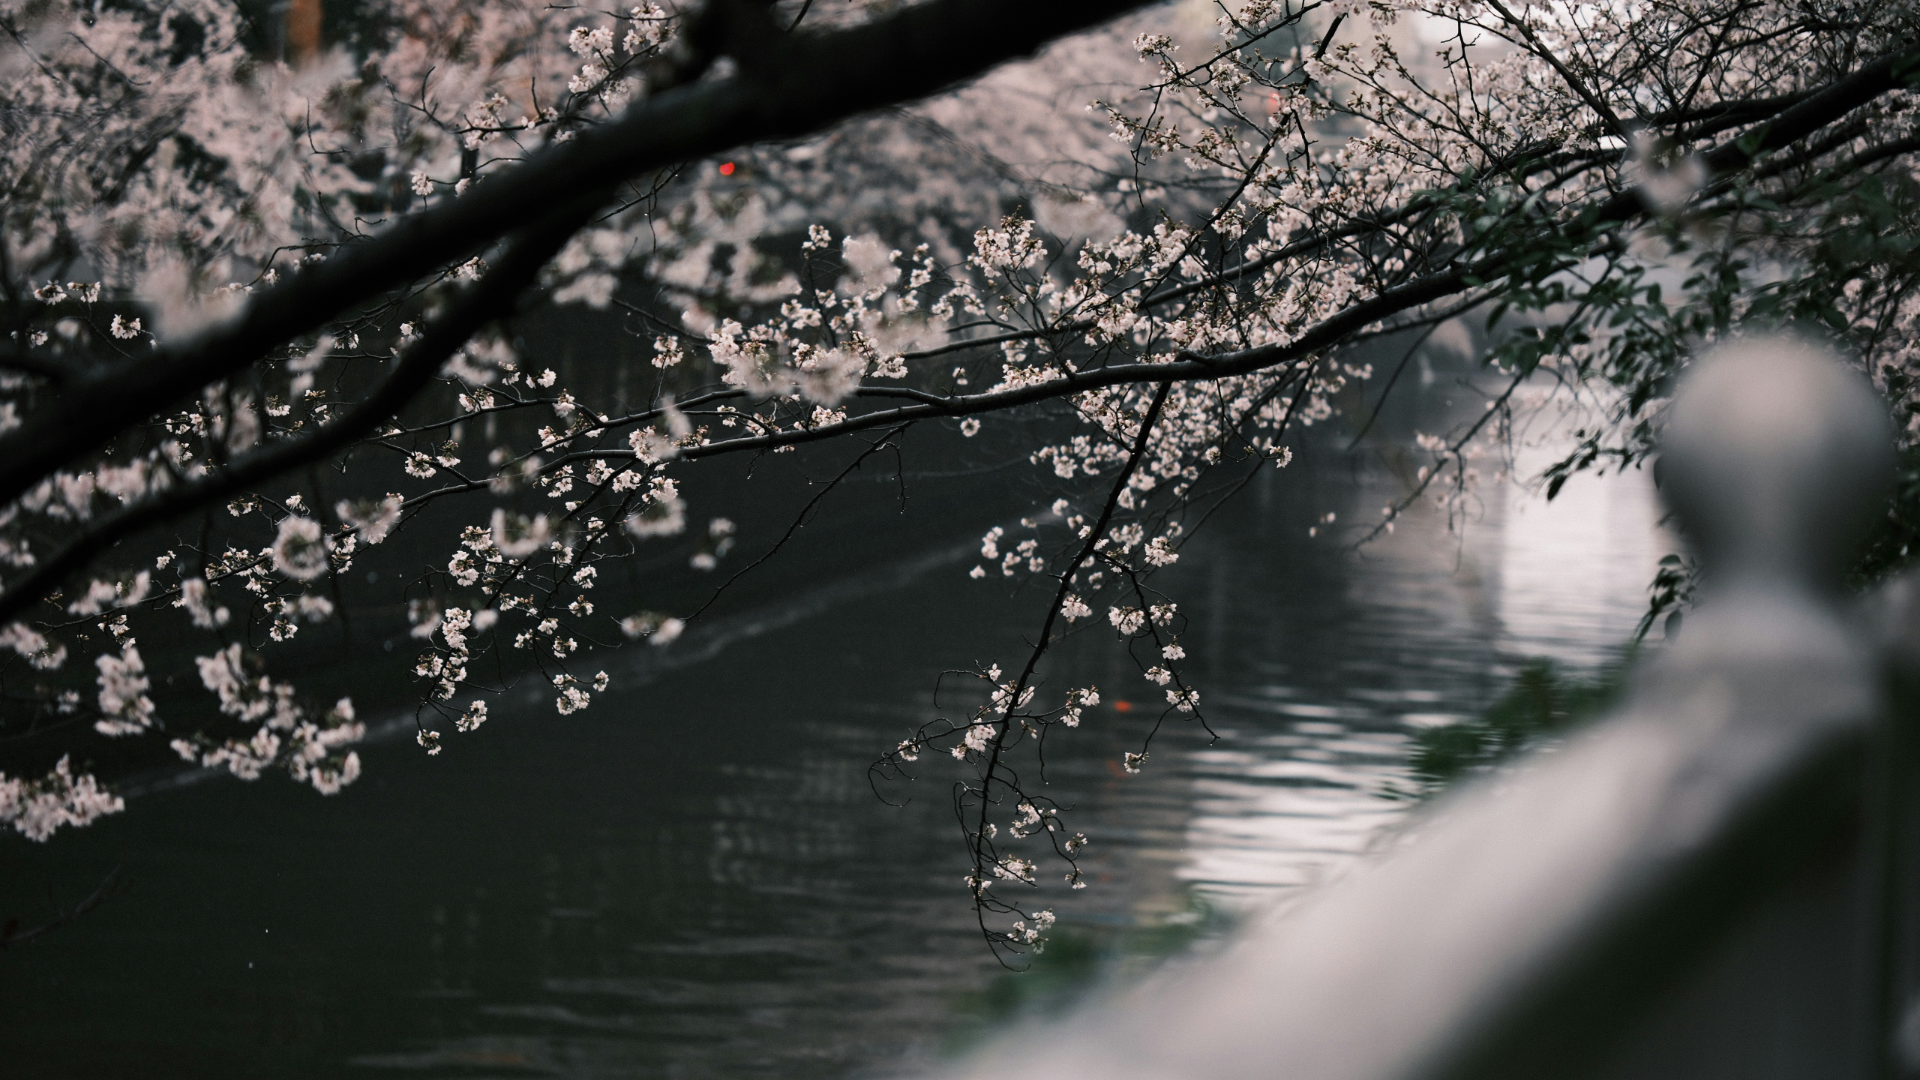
(1775, 459)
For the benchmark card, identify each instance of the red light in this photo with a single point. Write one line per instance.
(726, 169)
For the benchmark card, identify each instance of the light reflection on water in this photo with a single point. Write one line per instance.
(1432, 622)
(694, 878)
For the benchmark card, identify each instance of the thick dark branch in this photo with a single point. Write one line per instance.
(494, 294)
(789, 87)
(1894, 72)
(1706, 120)
(14, 358)
(1805, 116)
(1874, 154)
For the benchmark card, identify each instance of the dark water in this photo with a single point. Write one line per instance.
(693, 877)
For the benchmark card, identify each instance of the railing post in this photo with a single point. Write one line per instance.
(1898, 800)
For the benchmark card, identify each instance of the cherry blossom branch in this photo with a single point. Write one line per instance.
(1327, 332)
(494, 294)
(800, 519)
(785, 86)
(978, 841)
(1707, 121)
(1456, 450)
(1574, 82)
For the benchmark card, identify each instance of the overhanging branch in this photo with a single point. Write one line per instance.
(792, 86)
(498, 289)
(494, 294)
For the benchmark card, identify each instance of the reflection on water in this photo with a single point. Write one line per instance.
(1424, 631)
(694, 879)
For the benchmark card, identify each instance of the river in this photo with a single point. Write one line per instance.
(694, 878)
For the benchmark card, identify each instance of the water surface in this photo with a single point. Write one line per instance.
(694, 878)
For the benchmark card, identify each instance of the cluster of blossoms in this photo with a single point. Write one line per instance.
(36, 808)
(284, 734)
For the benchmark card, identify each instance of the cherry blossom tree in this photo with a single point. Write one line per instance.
(236, 256)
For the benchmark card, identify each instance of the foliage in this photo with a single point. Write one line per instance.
(1542, 704)
(272, 304)
(1079, 960)
(1892, 544)
(1670, 595)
